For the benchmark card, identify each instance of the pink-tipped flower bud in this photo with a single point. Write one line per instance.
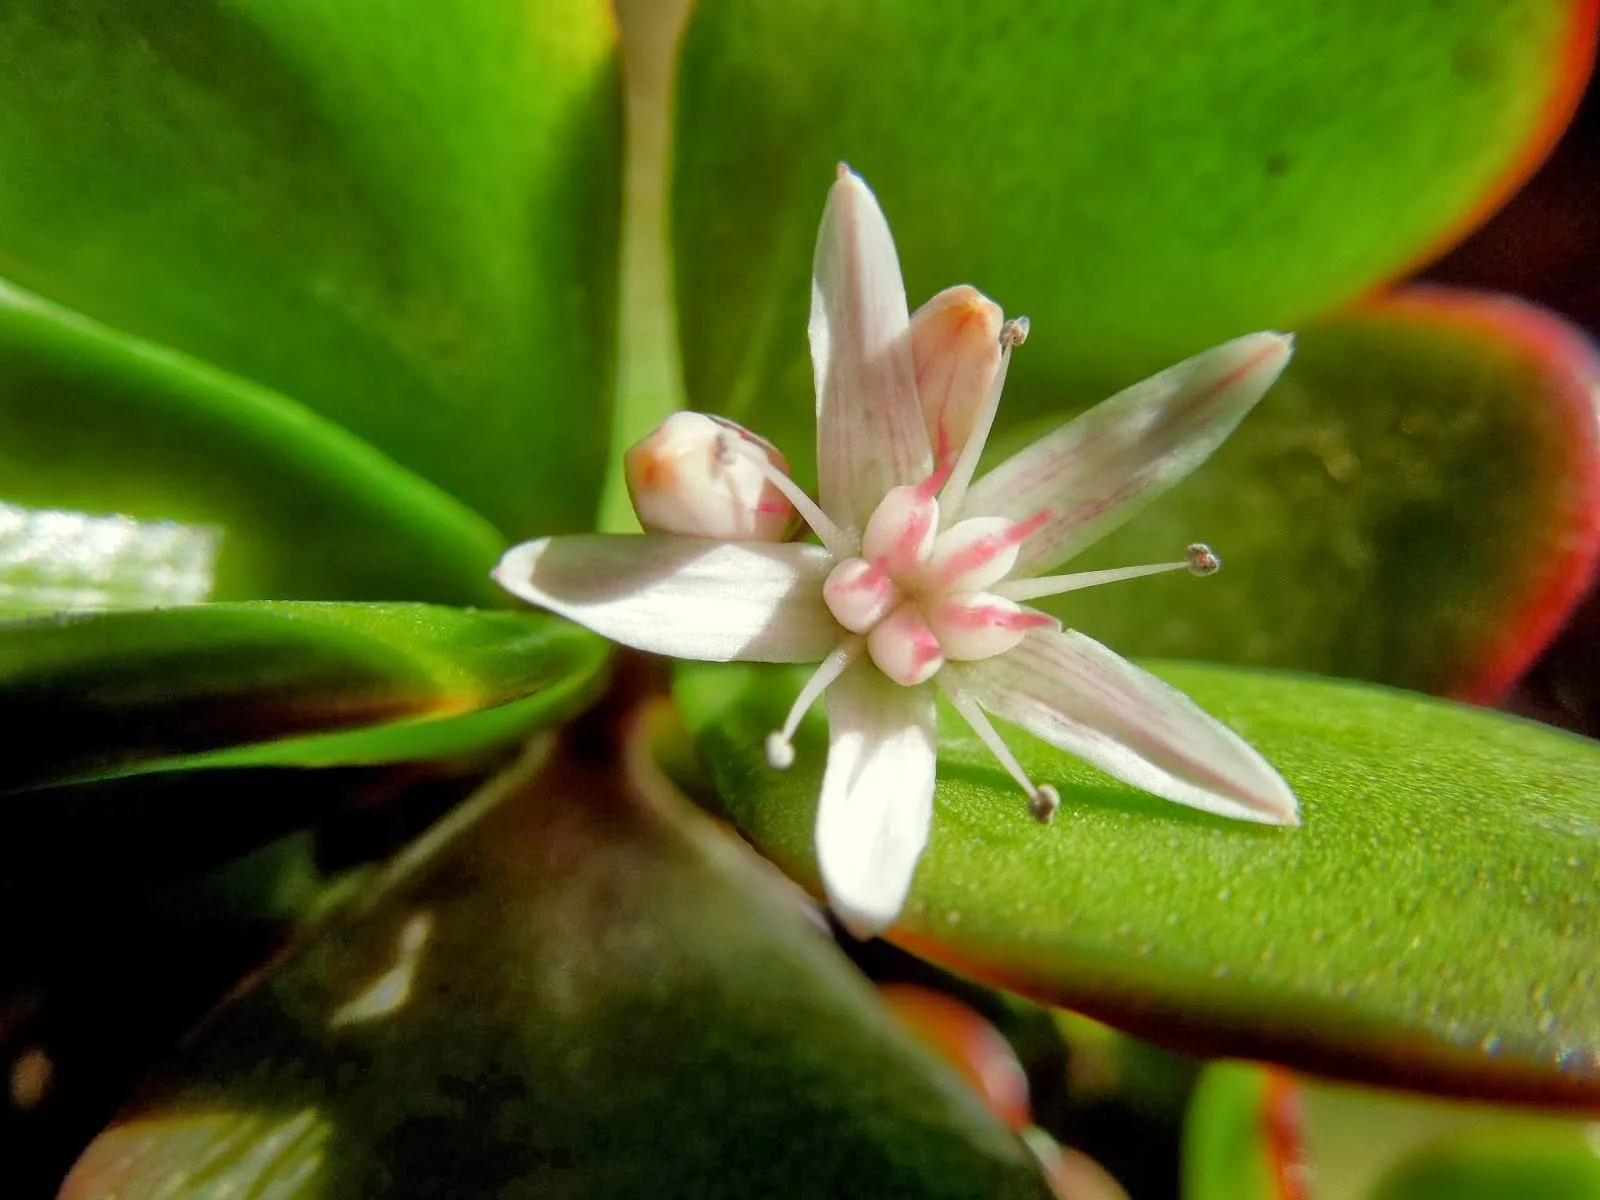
(705, 476)
(955, 351)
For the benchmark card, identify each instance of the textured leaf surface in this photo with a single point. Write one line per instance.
(1417, 502)
(583, 992)
(96, 422)
(1432, 924)
(401, 217)
(113, 693)
(1143, 181)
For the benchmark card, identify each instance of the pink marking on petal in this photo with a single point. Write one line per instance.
(984, 616)
(929, 487)
(984, 550)
(1029, 526)
(925, 647)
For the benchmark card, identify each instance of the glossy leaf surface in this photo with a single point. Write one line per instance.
(1416, 502)
(1431, 924)
(1143, 181)
(403, 218)
(96, 695)
(582, 992)
(96, 422)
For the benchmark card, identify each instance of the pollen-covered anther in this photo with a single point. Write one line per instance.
(904, 648)
(703, 476)
(1014, 332)
(859, 593)
(1201, 559)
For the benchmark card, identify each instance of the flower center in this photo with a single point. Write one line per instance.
(920, 596)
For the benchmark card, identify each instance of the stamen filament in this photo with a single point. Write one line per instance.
(1043, 800)
(835, 540)
(955, 491)
(1054, 585)
(780, 743)
(1198, 559)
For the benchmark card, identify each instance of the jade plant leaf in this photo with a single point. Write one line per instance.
(1363, 1144)
(577, 986)
(115, 693)
(1242, 1136)
(1416, 502)
(1143, 182)
(1562, 1166)
(95, 422)
(1432, 923)
(401, 217)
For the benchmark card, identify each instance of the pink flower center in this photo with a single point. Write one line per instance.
(920, 596)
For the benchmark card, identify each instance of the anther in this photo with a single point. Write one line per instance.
(1044, 802)
(1014, 332)
(780, 751)
(726, 454)
(780, 742)
(1201, 559)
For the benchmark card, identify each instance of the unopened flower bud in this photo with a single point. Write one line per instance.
(955, 351)
(705, 476)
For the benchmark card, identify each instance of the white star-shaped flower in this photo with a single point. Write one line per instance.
(922, 578)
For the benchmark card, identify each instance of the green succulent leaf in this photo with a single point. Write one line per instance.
(400, 216)
(1432, 923)
(1369, 1145)
(1143, 181)
(1550, 1166)
(1414, 503)
(280, 683)
(1241, 1135)
(95, 422)
(573, 988)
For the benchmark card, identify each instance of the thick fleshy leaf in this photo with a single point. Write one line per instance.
(121, 692)
(1432, 923)
(687, 597)
(1551, 1167)
(570, 989)
(1416, 502)
(405, 220)
(877, 795)
(870, 435)
(1142, 183)
(1370, 1145)
(1242, 1139)
(95, 422)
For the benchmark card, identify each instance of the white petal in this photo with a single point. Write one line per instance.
(869, 421)
(1095, 472)
(877, 796)
(686, 597)
(1072, 692)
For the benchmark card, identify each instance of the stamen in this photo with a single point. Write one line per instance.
(1043, 800)
(837, 542)
(1198, 559)
(780, 743)
(1012, 333)
(1202, 559)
